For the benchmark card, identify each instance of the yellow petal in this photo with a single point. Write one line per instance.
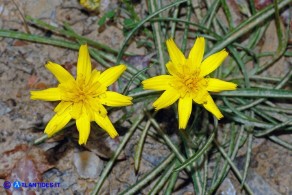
(184, 111)
(196, 54)
(110, 98)
(94, 102)
(110, 75)
(90, 110)
(212, 62)
(83, 64)
(166, 99)
(83, 126)
(158, 83)
(59, 72)
(57, 123)
(106, 124)
(67, 86)
(76, 110)
(173, 69)
(217, 85)
(176, 56)
(212, 107)
(97, 107)
(94, 76)
(102, 110)
(200, 94)
(201, 97)
(62, 106)
(95, 88)
(51, 94)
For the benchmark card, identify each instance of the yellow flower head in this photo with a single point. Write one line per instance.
(82, 98)
(187, 82)
(91, 5)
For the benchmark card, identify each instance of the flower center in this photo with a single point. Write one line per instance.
(190, 84)
(84, 91)
(81, 95)
(80, 91)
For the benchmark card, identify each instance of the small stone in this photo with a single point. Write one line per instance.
(88, 165)
(68, 179)
(258, 184)
(47, 117)
(41, 8)
(227, 187)
(4, 108)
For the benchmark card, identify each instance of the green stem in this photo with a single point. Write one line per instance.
(41, 139)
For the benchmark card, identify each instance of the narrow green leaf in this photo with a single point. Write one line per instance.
(247, 159)
(139, 149)
(38, 39)
(111, 14)
(233, 149)
(257, 93)
(281, 142)
(198, 154)
(157, 35)
(272, 129)
(140, 24)
(111, 162)
(172, 182)
(246, 26)
(69, 33)
(148, 176)
(102, 20)
(163, 179)
(233, 167)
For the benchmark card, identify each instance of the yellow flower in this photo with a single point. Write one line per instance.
(82, 99)
(90, 4)
(187, 82)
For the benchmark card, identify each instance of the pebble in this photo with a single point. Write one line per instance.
(4, 109)
(227, 188)
(88, 165)
(258, 185)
